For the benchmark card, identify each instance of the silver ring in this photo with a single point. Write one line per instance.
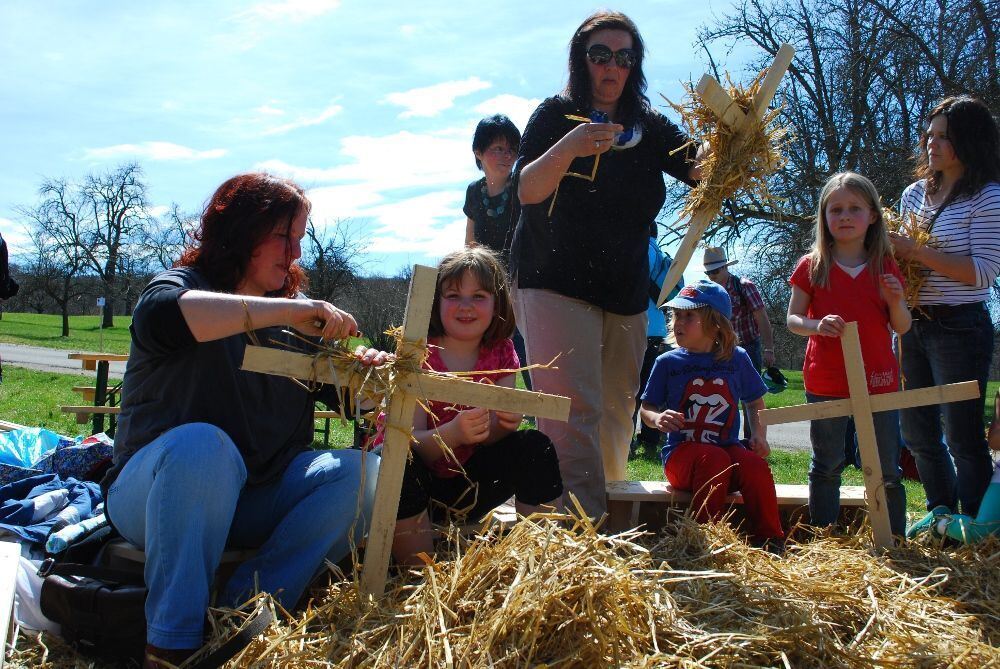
(597, 143)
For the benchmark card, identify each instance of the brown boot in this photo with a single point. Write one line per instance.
(165, 658)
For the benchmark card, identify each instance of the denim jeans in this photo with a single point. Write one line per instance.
(949, 349)
(182, 498)
(828, 461)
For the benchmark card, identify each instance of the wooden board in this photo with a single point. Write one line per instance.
(952, 392)
(662, 492)
(10, 555)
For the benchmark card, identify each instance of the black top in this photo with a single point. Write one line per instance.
(171, 379)
(493, 218)
(594, 247)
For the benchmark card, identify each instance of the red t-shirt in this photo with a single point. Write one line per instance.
(499, 356)
(853, 299)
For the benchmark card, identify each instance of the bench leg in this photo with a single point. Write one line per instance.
(620, 513)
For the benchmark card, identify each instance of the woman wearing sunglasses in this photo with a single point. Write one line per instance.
(591, 183)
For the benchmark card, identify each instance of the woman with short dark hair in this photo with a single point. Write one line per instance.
(491, 209)
(957, 198)
(579, 255)
(208, 456)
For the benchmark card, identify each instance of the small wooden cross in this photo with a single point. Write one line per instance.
(862, 405)
(715, 98)
(409, 386)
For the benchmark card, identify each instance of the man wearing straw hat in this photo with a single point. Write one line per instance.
(749, 315)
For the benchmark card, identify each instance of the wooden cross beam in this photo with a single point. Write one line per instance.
(409, 386)
(716, 99)
(862, 405)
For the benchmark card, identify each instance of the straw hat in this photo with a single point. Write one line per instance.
(715, 257)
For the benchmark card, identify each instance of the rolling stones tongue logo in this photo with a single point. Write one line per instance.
(709, 409)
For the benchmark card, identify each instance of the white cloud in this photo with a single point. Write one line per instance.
(517, 108)
(408, 187)
(305, 121)
(159, 210)
(432, 100)
(292, 10)
(268, 110)
(153, 151)
(14, 233)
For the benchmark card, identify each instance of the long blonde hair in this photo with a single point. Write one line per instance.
(877, 244)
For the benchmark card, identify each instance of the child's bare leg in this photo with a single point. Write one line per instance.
(412, 536)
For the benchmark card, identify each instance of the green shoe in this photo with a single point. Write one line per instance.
(928, 521)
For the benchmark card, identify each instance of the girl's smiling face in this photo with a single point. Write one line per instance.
(466, 309)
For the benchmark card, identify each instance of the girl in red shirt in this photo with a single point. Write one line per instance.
(849, 275)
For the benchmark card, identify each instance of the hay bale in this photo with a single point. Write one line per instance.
(563, 595)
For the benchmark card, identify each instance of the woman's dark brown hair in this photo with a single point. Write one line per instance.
(633, 103)
(486, 267)
(239, 215)
(974, 137)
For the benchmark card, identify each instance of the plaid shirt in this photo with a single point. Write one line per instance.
(743, 320)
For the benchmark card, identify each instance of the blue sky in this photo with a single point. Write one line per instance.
(369, 105)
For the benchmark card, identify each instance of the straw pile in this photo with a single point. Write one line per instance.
(914, 273)
(740, 159)
(697, 596)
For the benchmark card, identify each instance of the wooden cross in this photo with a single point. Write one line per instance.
(862, 405)
(409, 386)
(715, 98)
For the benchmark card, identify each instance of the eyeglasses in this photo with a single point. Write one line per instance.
(600, 54)
(501, 151)
(713, 272)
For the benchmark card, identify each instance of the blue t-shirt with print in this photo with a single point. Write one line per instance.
(707, 391)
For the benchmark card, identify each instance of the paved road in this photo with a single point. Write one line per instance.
(50, 360)
(789, 437)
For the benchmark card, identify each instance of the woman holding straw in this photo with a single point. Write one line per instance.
(208, 456)
(956, 200)
(591, 182)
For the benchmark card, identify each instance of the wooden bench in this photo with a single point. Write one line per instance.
(90, 360)
(626, 499)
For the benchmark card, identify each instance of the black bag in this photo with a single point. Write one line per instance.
(101, 610)
(102, 613)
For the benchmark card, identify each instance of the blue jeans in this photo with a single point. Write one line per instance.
(182, 498)
(828, 461)
(949, 349)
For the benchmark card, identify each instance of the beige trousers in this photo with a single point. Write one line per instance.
(600, 354)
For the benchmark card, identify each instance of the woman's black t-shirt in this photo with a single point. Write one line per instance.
(490, 227)
(594, 246)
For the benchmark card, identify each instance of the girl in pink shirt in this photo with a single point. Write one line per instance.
(468, 460)
(849, 275)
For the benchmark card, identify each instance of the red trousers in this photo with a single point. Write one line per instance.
(711, 472)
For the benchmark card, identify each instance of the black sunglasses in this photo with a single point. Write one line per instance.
(713, 272)
(599, 54)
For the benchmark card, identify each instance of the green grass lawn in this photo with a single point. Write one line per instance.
(85, 333)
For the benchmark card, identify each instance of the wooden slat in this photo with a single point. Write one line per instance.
(428, 386)
(775, 72)
(10, 555)
(864, 424)
(7, 427)
(717, 99)
(662, 492)
(951, 392)
(396, 447)
(110, 357)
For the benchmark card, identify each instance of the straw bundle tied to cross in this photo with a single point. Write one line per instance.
(914, 272)
(403, 384)
(745, 150)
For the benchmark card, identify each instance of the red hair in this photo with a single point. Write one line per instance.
(237, 218)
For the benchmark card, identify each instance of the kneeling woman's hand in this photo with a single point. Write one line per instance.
(372, 357)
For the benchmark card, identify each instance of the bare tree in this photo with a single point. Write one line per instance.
(864, 76)
(163, 239)
(378, 304)
(117, 209)
(330, 258)
(56, 261)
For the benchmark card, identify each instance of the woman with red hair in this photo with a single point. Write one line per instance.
(208, 456)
